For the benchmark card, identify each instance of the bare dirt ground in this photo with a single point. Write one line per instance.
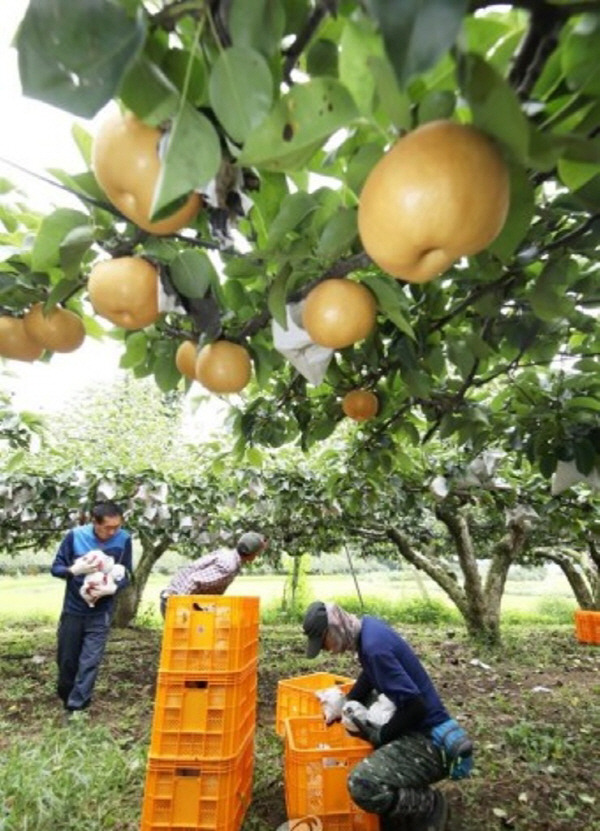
(532, 708)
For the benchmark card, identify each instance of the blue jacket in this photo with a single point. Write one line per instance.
(391, 666)
(80, 541)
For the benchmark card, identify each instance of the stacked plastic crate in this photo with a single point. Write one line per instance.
(201, 760)
(587, 626)
(318, 758)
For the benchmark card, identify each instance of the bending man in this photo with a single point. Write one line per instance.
(409, 756)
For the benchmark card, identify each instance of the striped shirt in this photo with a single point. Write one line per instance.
(210, 574)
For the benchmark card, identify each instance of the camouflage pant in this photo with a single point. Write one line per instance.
(396, 777)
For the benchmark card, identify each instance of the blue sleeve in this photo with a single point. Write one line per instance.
(391, 678)
(64, 557)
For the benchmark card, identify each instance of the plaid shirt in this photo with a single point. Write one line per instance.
(210, 574)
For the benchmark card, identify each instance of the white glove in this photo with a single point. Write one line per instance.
(332, 700)
(118, 573)
(86, 564)
(352, 710)
(381, 711)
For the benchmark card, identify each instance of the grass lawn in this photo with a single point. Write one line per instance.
(532, 708)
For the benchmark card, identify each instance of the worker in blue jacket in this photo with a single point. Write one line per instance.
(419, 745)
(96, 561)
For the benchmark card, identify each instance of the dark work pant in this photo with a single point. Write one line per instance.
(81, 643)
(397, 776)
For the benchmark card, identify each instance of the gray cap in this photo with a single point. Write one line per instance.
(315, 626)
(250, 543)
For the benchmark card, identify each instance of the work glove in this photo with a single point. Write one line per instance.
(352, 710)
(87, 564)
(367, 730)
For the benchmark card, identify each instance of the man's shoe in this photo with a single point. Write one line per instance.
(393, 824)
(308, 823)
(437, 819)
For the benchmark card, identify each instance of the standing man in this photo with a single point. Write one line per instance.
(102, 550)
(418, 746)
(212, 573)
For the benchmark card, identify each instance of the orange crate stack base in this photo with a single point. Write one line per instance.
(318, 760)
(587, 626)
(203, 716)
(198, 796)
(209, 633)
(296, 696)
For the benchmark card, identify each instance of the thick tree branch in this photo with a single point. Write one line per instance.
(546, 21)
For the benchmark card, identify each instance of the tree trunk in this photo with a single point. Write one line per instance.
(572, 569)
(478, 603)
(128, 600)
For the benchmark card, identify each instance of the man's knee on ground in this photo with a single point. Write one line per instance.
(367, 791)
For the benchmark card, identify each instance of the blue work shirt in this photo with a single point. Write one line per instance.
(80, 541)
(393, 668)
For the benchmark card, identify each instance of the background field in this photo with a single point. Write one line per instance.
(26, 595)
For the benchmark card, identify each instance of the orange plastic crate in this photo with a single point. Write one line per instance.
(587, 626)
(203, 716)
(318, 760)
(198, 796)
(296, 696)
(209, 633)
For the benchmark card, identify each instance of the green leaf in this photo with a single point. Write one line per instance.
(338, 234)
(391, 300)
(147, 92)
(84, 183)
(166, 374)
(176, 66)
(461, 356)
(254, 457)
(259, 25)
(192, 273)
(580, 57)
(416, 33)
(240, 90)
(277, 297)
(585, 456)
(294, 209)
(322, 58)
(495, 106)
(299, 123)
(417, 382)
(136, 350)
(520, 215)
(547, 297)
(61, 291)
(437, 104)
(394, 102)
(358, 45)
(580, 402)
(361, 164)
(83, 141)
(547, 464)
(191, 160)
(73, 55)
(74, 247)
(53, 230)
